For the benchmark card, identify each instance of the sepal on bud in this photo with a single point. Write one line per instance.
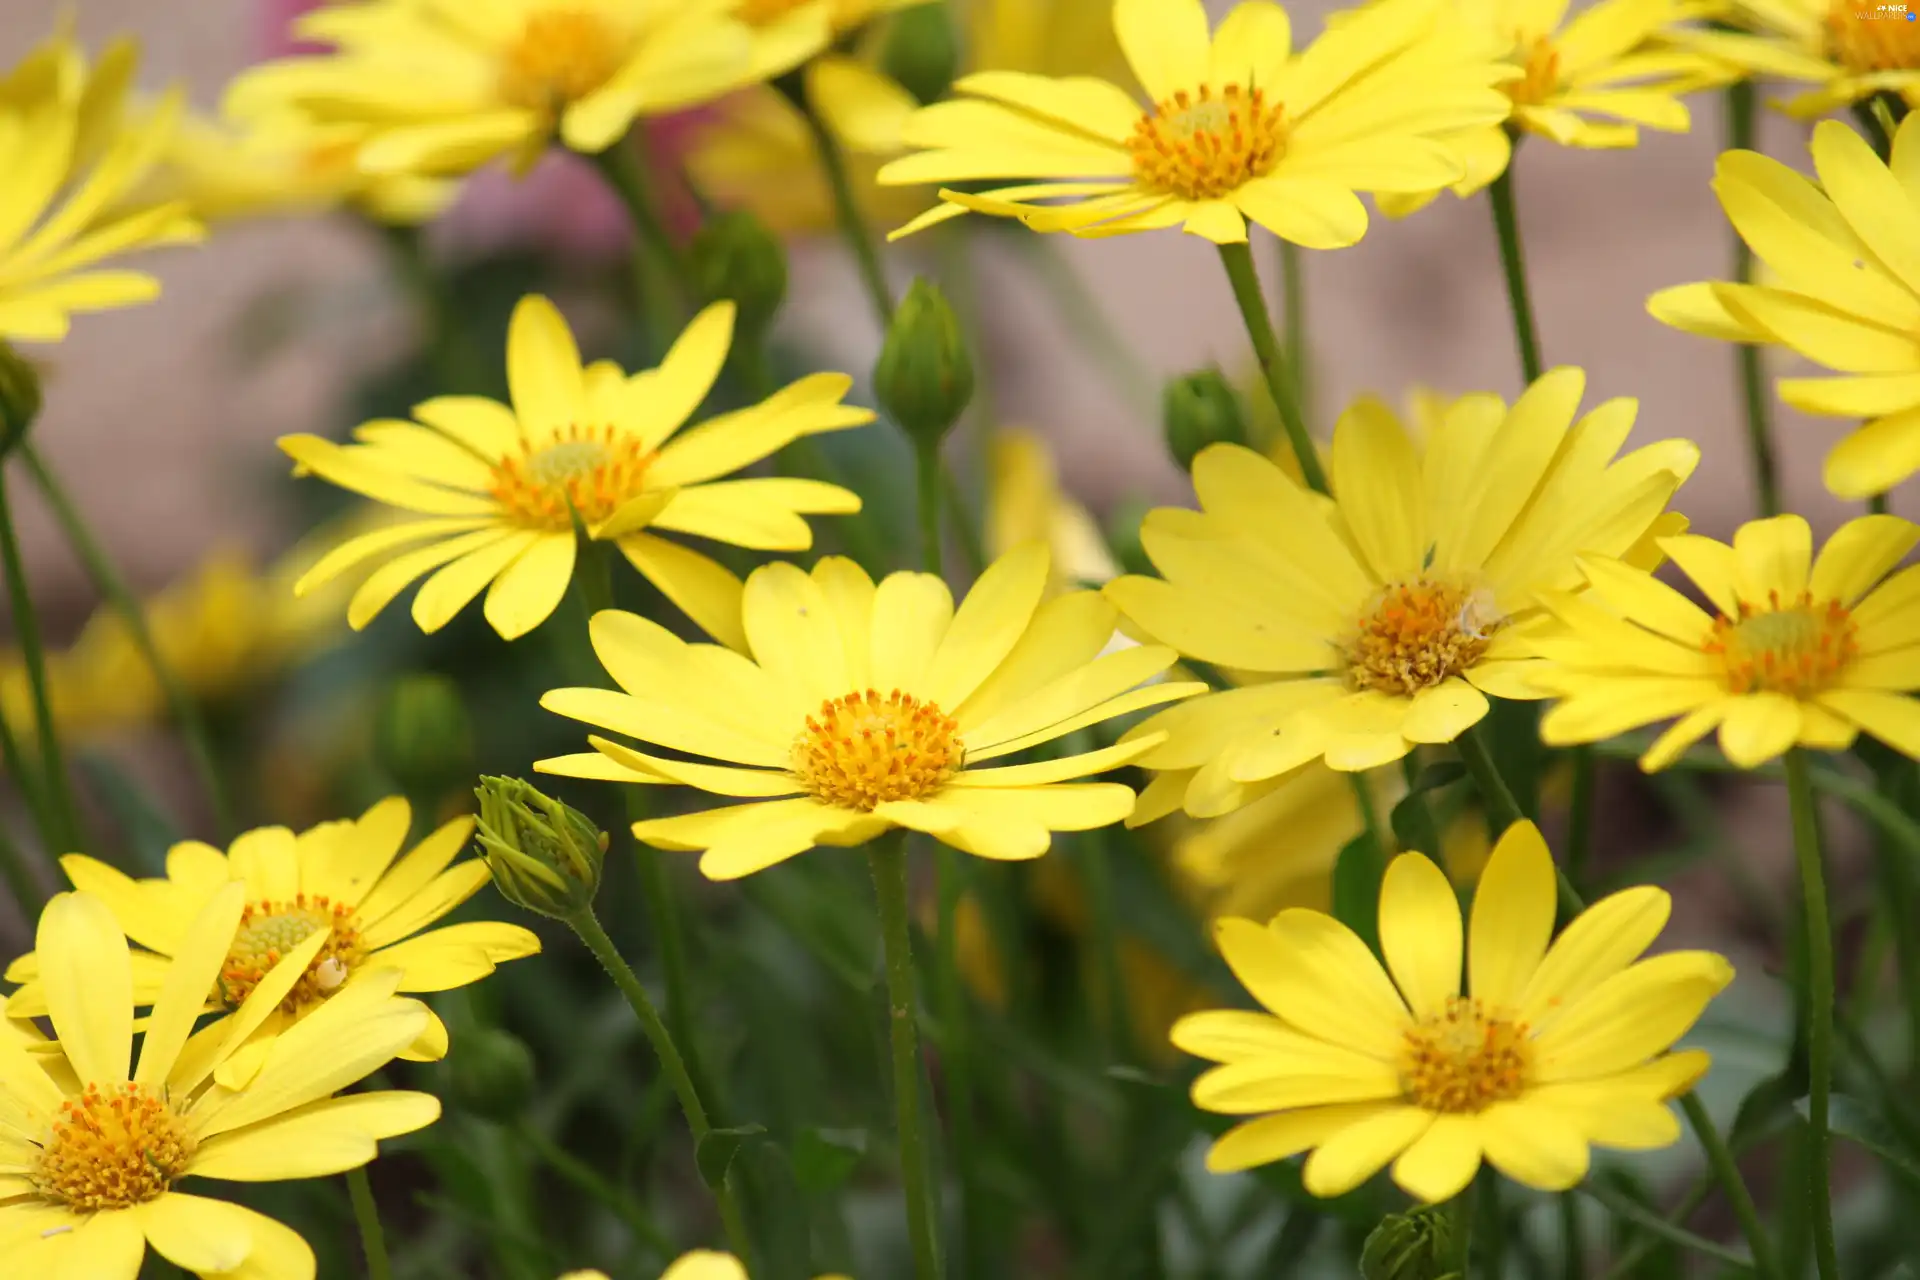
(1416, 1245)
(544, 856)
(924, 377)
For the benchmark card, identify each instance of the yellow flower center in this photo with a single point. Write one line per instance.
(112, 1150)
(562, 55)
(1464, 1060)
(1200, 146)
(1542, 66)
(1796, 649)
(269, 930)
(863, 749)
(1413, 635)
(1863, 36)
(592, 470)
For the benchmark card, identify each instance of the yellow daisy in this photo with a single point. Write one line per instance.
(501, 487)
(71, 157)
(1236, 126)
(1799, 651)
(335, 895)
(1848, 49)
(860, 708)
(1551, 1050)
(95, 1141)
(1360, 627)
(1842, 289)
(445, 89)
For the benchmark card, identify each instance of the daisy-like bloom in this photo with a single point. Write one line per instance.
(1359, 628)
(446, 88)
(336, 897)
(501, 486)
(1799, 651)
(859, 708)
(1848, 50)
(1235, 126)
(1550, 1050)
(1842, 289)
(72, 156)
(95, 1142)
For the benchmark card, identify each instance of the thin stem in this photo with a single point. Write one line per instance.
(846, 209)
(1462, 1254)
(62, 832)
(108, 580)
(26, 779)
(1238, 260)
(1493, 1262)
(1293, 322)
(1820, 995)
(1504, 809)
(20, 879)
(888, 859)
(366, 1214)
(973, 552)
(927, 472)
(1749, 356)
(956, 1056)
(1506, 224)
(1765, 1264)
(589, 1180)
(1580, 814)
(654, 251)
(588, 926)
(1106, 941)
(671, 939)
(1573, 1240)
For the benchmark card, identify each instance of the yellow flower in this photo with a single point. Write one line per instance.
(96, 1141)
(864, 708)
(501, 486)
(701, 1264)
(71, 157)
(1026, 504)
(1843, 290)
(1849, 49)
(334, 896)
(1238, 126)
(1551, 1050)
(1793, 655)
(445, 89)
(1360, 628)
(787, 33)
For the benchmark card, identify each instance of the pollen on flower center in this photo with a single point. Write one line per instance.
(1413, 635)
(1542, 72)
(269, 930)
(562, 55)
(112, 1148)
(592, 470)
(1797, 648)
(1464, 1060)
(1203, 145)
(862, 749)
(1862, 37)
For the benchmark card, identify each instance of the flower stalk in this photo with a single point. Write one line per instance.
(1238, 261)
(1819, 1010)
(1506, 225)
(366, 1216)
(60, 830)
(888, 860)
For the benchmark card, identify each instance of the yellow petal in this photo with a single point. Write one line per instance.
(1513, 908)
(1858, 555)
(530, 588)
(443, 959)
(1420, 933)
(1376, 474)
(1277, 1137)
(1772, 555)
(793, 635)
(987, 625)
(1632, 1016)
(1533, 1145)
(1604, 939)
(198, 1234)
(659, 400)
(191, 976)
(1166, 43)
(89, 984)
(321, 1138)
(1759, 726)
(1442, 1161)
(1316, 973)
(543, 369)
(1348, 1158)
(704, 590)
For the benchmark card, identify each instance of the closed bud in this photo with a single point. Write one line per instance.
(422, 736)
(1198, 410)
(19, 398)
(544, 856)
(922, 50)
(1416, 1245)
(924, 377)
(492, 1076)
(736, 259)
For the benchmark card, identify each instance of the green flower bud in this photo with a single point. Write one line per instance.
(737, 259)
(924, 377)
(922, 50)
(19, 398)
(1198, 410)
(1123, 536)
(492, 1076)
(422, 736)
(1416, 1245)
(544, 856)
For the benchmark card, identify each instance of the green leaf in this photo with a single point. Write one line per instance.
(1412, 819)
(1859, 1122)
(1627, 1208)
(825, 1158)
(717, 1149)
(1357, 874)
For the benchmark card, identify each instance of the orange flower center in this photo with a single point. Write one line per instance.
(1863, 36)
(562, 55)
(112, 1149)
(1797, 648)
(269, 930)
(1542, 67)
(1201, 146)
(1464, 1060)
(1413, 635)
(592, 470)
(863, 749)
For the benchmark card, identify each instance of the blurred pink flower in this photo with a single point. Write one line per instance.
(276, 28)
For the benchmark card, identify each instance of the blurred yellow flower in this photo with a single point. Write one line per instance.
(71, 155)
(96, 1141)
(1026, 504)
(1849, 50)
(1551, 1050)
(701, 1264)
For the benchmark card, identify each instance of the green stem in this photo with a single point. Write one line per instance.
(1720, 1160)
(1106, 941)
(588, 1179)
(1503, 808)
(1573, 1242)
(588, 926)
(973, 552)
(61, 834)
(1749, 357)
(655, 255)
(107, 579)
(1238, 260)
(20, 879)
(956, 1052)
(1293, 322)
(927, 472)
(664, 915)
(373, 1240)
(1580, 814)
(888, 860)
(1820, 996)
(846, 209)
(1506, 224)
(1462, 1254)
(1493, 1261)
(1369, 812)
